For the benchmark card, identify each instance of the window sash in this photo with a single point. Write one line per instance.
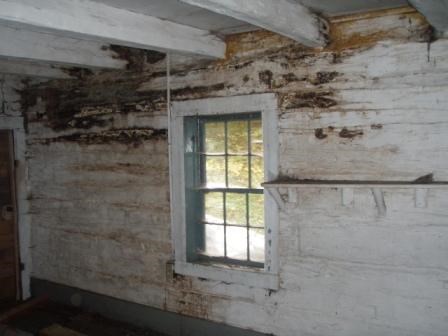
(195, 170)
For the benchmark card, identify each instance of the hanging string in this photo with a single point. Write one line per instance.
(2, 98)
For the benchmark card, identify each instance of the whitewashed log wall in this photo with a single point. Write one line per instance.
(372, 106)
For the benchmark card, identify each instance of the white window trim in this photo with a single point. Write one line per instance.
(266, 104)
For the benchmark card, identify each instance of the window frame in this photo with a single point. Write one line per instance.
(195, 174)
(266, 104)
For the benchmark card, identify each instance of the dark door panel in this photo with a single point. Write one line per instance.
(9, 270)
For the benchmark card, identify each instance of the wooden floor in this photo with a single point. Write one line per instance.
(54, 319)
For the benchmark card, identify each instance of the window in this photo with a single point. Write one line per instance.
(224, 225)
(224, 198)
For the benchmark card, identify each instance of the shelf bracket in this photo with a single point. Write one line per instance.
(347, 196)
(277, 197)
(292, 195)
(421, 198)
(379, 201)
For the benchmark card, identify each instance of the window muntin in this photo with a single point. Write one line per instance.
(224, 170)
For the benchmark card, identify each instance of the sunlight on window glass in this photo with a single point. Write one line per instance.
(214, 240)
(214, 207)
(237, 243)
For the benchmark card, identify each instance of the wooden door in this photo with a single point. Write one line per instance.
(9, 266)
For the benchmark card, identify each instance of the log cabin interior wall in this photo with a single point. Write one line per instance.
(370, 106)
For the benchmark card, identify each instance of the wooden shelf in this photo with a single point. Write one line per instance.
(347, 190)
(352, 184)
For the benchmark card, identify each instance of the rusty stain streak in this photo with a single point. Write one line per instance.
(343, 35)
(243, 44)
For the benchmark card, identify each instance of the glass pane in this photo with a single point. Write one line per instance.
(237, 137)
(256, 210)
(256, 137)
(237, 243)
(238, 171)
(214, 207)
(256, 245)
(257, 171)
(236, 208)
(214, 137)
(214, 240)
(215, 171)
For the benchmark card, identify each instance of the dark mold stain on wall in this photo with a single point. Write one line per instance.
(319, 133)
(323, 77)
(136, 58)
(311, 99)
(131, 136)
(350, 134)
(266, 78)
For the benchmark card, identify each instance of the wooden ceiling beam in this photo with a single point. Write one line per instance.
(83, 19)
(435, 11)
(24, 45)
(280, 16)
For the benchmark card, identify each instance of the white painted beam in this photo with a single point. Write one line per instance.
(30, 69)
(106, 24)
(435, 11)
(285, 18)
(43, 47)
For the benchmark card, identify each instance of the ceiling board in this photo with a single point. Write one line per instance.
(342, 7)
(174, 10)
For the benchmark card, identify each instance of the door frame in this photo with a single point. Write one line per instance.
(13, 196)
(13, 180)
